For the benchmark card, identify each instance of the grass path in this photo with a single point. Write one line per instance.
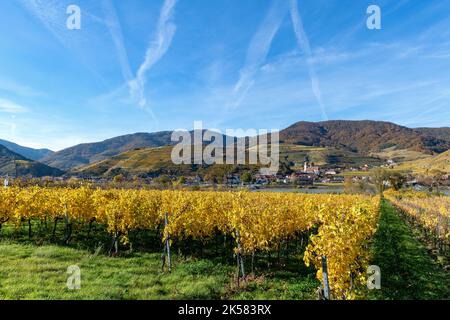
(407, 271)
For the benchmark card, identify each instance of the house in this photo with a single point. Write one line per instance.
(265, 179)
(330, 173)
(390, 163)
(192, 180)
(311, 169)
(282, 179)
(232, 179)
(337, 179)
(302, 178)
(365, 168)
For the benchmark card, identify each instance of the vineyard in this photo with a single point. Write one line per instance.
(339, 227)
(430, 214)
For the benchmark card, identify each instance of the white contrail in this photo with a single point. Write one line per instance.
(117, 36)
(156, 50)
(258, 49)
(303, 42)
(51, 13)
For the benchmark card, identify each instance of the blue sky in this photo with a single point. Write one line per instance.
(144, 66)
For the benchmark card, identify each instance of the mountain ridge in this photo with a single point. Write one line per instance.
(440, 133)
(360, 136)
(14, 164)
(29, 153)
(86, 153)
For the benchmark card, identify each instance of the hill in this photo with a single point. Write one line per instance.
(439, 162)
(344, 140)
(362, 136)
(87, 153)
(29, 153)
(156, 161)
(400, 155)
(438, 133)
(152, 162)
(14, 164)
(325, 156)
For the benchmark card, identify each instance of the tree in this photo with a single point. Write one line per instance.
(436, 177)
(379, 178)
(163, 179)
(359, 186)
(285, 167)
(212, 178)
(73, 182)
(246, 177)
(181, 180)
(397, 180)
(118, 178)
(348, 185)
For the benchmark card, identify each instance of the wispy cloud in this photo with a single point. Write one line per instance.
(116, 33)
(303, 42)
(7, 106)
(157, 49)
(51, 14)
(261, 44)
(258, 49)
(159, 45)
(18, 88)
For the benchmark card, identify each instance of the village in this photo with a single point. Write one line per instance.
(308, 176)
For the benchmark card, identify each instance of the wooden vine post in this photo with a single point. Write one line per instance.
(68, 231)
(326, 284)
(114, 244)
(29, 229)
(167, 243)
(5, 185)
(240, 261)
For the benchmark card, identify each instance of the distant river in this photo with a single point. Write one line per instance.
(318, 190)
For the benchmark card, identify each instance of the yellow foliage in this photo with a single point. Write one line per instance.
(345, 223)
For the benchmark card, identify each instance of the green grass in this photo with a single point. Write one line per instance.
(329, 184)
(279, 285)
(32, 272)
(355, 174)
(36, 269)
(407, 271)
